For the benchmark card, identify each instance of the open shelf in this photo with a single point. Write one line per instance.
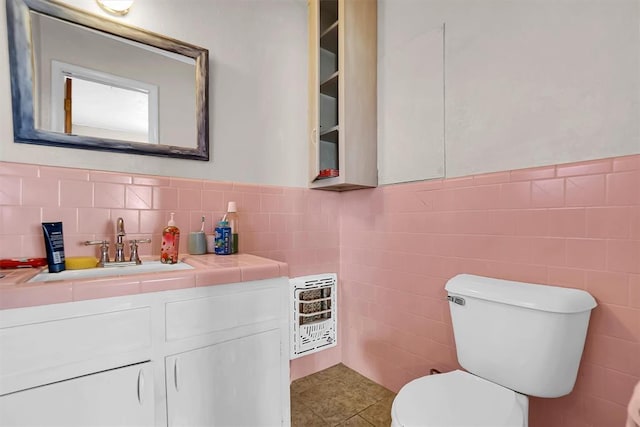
(330, 135)
(329, 87)
(328, 14)
(329, 38)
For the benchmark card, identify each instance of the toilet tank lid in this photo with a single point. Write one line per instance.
(534, 296)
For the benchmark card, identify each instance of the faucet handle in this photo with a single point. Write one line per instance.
(134, 249)
(104, 250)
(96, 242)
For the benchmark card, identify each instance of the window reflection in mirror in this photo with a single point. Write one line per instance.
(90, 103)
(104, 111)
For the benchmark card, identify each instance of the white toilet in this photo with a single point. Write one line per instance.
(514, 339)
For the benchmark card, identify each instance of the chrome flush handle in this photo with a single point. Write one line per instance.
(456, 300)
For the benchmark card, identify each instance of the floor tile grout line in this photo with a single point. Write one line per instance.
(359, 413)
(347, 379)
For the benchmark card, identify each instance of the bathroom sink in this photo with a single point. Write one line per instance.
(145, 267)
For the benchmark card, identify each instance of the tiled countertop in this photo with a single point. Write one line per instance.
(208, 270)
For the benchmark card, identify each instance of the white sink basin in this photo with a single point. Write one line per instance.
(145, 267)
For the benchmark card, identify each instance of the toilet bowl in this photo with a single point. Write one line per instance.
(514, 340)
(458, 399)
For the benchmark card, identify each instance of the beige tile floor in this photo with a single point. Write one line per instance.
(339, 396)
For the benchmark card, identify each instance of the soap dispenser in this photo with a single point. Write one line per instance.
(170, 243)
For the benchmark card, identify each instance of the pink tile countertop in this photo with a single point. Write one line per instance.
(208, 270)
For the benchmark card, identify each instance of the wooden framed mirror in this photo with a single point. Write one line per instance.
(84, 81)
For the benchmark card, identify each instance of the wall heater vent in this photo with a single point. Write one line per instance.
(314, 316)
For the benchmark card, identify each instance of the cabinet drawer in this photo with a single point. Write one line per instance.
(118, 397)
(209, 314)
(49, 348)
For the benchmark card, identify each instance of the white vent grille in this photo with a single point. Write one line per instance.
(314, 316)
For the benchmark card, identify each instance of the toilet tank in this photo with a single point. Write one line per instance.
(526, 337)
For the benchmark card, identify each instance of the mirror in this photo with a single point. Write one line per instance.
(83, 81)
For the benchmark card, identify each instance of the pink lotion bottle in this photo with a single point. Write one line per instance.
(170, 243)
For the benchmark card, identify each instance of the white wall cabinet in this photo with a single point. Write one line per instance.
(206, 356)
(118, 397)
(342, 94)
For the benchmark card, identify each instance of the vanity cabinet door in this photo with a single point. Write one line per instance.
(234, 383)
(122, 397)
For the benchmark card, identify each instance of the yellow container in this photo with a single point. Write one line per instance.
(80, 262)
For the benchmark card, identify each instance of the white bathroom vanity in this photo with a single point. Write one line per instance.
(209, 355)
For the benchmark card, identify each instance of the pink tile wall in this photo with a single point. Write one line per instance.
(297, 226)
(574, 225)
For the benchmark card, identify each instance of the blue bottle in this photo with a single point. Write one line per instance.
(222, 238)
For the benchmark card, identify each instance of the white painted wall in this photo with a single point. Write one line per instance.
(258, 91)
(526, 83)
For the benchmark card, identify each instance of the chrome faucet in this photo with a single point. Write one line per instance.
(119, 259)
(119, 243)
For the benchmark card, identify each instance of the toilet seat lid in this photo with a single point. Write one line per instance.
(456, 399)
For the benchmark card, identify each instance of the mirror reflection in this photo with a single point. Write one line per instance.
(88, 82)
(100, 109)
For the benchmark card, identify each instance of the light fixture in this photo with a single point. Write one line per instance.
(116, 7)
